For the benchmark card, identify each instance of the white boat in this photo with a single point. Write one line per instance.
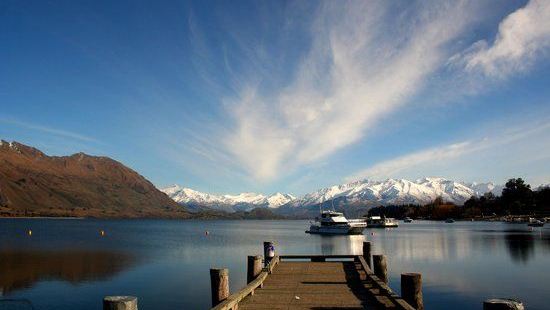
(335, 223)
(535, 223)
(381, 222)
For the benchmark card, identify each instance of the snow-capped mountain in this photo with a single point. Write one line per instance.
(394, 191)
(366, 192)
(243, 201)
(482, 188)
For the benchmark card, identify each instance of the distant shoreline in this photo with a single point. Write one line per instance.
(208, 218)
(46, 217)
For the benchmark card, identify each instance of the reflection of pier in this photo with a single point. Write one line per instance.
(21, 269)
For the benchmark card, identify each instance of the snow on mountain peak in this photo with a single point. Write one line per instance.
(390, 191)
(242, 201)
(397, 191)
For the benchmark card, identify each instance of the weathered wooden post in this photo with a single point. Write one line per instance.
(219, 282)
(411, 289)
(269, 252)
(254, 267)
(502, 304)
(380, 266)
(366, 252)
(120, 303)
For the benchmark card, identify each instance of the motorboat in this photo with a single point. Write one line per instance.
(449, 221)
(335, 223)
(381, 222)
(535, 223)
(407, 220)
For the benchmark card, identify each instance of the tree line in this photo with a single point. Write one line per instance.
(517, 198)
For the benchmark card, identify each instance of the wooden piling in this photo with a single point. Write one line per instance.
(254, 267)
(120, 303)
(219, 283)
(367, 253)
(269, 252)
(411, 289)
(502, 304)
(380, 266)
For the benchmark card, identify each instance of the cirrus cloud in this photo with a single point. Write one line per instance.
(364, 63)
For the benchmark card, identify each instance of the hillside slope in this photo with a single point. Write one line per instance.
(34, 184)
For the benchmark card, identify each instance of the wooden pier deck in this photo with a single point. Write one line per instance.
(311, 285)
(321, 282)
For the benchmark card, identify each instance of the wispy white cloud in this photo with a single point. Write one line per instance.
(363, 64)
(522, 36)
(49, 130)
(445, 159)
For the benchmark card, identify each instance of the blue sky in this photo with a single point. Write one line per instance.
(269, 96)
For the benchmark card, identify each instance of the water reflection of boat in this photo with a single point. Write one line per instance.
(407, 220)
(535, 223)
(381, 222)
(335, 223)
(449, 221)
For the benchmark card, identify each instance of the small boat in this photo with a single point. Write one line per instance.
(449, 221)
(381, 222)
(407, 220)
(535, 223)
(335, 223)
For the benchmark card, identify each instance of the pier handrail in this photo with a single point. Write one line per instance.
(317, 257)
(399, 302)
(233, 300)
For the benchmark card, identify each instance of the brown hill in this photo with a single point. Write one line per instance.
(34, 184)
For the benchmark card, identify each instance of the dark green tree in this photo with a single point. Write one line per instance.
(542, 200)
(517, 197)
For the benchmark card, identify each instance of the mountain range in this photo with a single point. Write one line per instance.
(364, 192)
(230, 203)
(35, 184)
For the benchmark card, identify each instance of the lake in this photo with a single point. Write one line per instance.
(69, 264)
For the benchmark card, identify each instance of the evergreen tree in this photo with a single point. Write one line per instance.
(517, 197)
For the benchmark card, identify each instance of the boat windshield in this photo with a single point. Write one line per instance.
(327, 215)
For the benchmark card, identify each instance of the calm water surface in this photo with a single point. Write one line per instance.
(67, 264)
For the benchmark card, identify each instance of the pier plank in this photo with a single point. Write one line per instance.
(313, 285)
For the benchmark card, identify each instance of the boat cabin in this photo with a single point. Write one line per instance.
(332, 218)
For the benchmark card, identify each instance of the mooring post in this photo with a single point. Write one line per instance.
(366, 252)
(411, 289)
(269, 252)
(254, 267)
(120, 303)
(502, 304)
(380, 266)
(219, 282)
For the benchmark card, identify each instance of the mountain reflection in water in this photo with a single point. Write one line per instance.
(21, 269)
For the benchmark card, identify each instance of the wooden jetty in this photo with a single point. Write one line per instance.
(316, 282)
